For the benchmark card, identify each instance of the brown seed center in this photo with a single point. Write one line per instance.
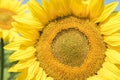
(70, 47)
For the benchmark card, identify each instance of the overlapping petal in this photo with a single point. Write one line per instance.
(111, 25)
(108, 9)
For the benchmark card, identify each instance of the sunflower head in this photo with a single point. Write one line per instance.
(68, 40)
(15, 8)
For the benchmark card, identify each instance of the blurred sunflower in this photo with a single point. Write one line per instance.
(8, 9)
(68, 40)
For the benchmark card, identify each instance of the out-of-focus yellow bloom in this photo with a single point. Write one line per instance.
(9, 8)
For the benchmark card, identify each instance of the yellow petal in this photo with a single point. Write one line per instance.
(4, 3)
(23, 75)
(79, 8)
(49, 78)
(56, 8)
(108, 9)
(22, 10)
(117, 48)
(114, 69)
(39, 74)
(26, 30)
(64, 7)
(113, 40)
(13, 46)
(23, 64)
(18, 4)
(106, 74)
(23, 54)
(38, 12)
(13, 35)
(44, 76)
(29, 20)
(96, 7)
(5, 35)
(50, 7)
(18, 44)
(96, 77)
(13, 5)
(113, 56)
(32, 70)
(111, 25)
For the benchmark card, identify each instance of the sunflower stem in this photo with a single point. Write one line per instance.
(2, 59)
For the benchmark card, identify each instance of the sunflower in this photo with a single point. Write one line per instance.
(68, 40)
(8, 9)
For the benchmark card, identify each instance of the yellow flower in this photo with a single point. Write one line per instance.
(68, 40)
(8, 9)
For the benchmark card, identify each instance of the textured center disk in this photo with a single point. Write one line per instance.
(70, 47)
(5, 19)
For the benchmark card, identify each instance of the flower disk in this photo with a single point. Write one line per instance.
(77, 49)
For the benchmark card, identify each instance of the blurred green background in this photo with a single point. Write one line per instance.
(7, 64)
